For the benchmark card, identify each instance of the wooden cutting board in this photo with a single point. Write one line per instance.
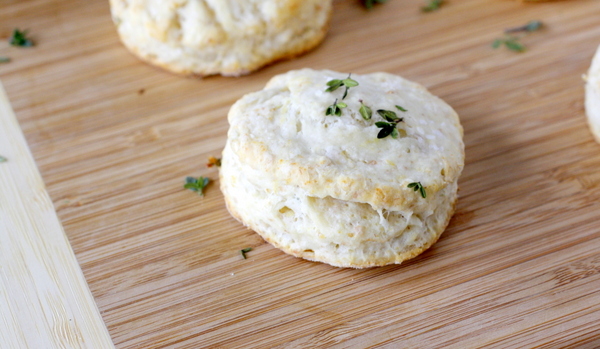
(45, 301)
(519, 265)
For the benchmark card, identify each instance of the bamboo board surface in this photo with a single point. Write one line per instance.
(519, 265)
(45, 301)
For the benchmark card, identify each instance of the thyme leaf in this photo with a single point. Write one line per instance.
(417, 186)
(511, 42)
(433, 5)
(196, 184)
(336, 83)
(365, 111)
(335, 108)
(531, 26)
(19, 38)
(245, 250)
(369, 3)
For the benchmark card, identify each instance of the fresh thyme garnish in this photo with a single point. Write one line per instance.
(418, 186)
(198, 185)
(511, 41)
(336, 83)
(365, 111)
(386, 129)
(369, 3)
(389, 127)
(529, 27)
(245, 250)
(3, 159)
(400, 108)
(213, 161)
(4, 59)
(19, 38)
(335, 108)
(433, 5)
(389, 115)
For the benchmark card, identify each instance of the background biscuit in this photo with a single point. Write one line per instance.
(205, 37)
(592, 96)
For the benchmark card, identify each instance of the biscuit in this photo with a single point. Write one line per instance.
(206, 37)
(592, 96)
(325, 187)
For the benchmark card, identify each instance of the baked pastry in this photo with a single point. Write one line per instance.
(325, 187)
(592, 96)
(205, 37)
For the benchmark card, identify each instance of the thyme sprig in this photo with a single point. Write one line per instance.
(19, 38)
(336, 108)
(511, 41)
(388, 128)
(531, 26)
(196, 184)
(369, 3)
(433, 5)
(417, 186)
(245, 250)
(336, 83)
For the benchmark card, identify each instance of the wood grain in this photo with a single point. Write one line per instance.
(518, 266)
(44, 299)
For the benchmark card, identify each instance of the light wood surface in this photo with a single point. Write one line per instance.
(45, 301)
(518, 267)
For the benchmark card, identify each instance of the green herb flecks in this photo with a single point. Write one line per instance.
(19, 38)
(335, 108)
(369, 3)
(433, 5)
(336, 83)
(389, 115)
(401, 109)
(245, 250)
(388, 127)
(417, 186)
(4, 59)
(3, 159)
(196, 184)
(365, 111)
(529, 27)
(511, 41)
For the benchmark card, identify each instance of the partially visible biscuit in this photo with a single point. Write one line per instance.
(206, 37)
(592, 96)
(325, 187)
